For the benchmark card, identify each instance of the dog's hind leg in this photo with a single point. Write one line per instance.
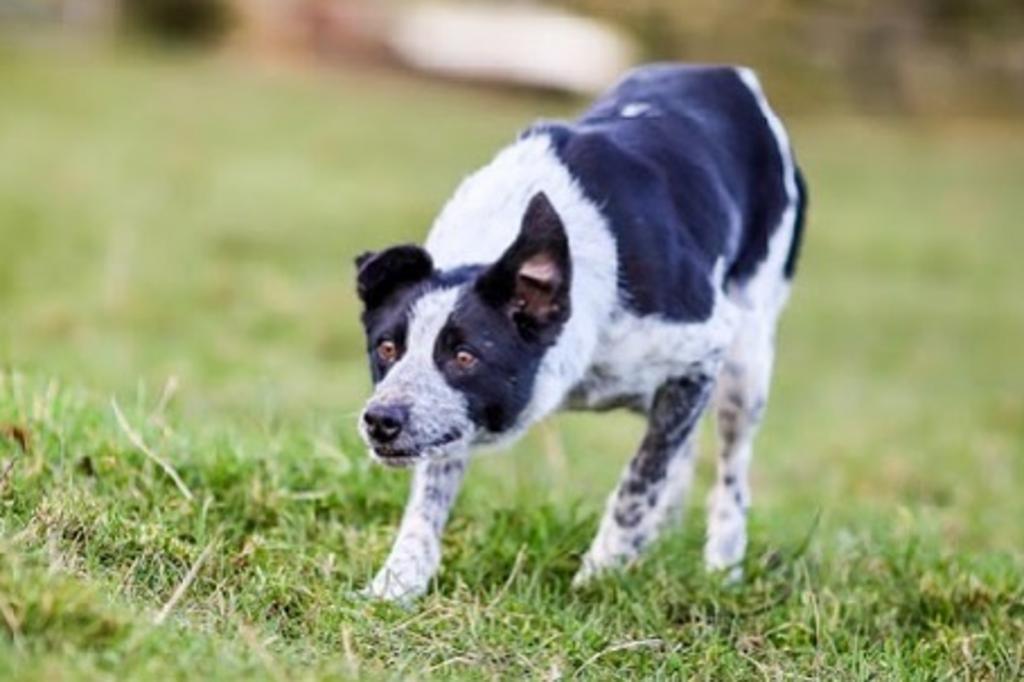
(740, 399)
(416, 554)
(656, 480)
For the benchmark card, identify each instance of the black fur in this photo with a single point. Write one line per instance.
(382, 274)
(798, 228)
(501, 384)
(389, 323)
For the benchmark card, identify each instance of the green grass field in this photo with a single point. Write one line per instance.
(177, 236)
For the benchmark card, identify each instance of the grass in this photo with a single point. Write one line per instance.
(177, 236)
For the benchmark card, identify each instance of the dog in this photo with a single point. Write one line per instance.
(638, 258)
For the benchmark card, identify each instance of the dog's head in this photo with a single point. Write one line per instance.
(454, 354)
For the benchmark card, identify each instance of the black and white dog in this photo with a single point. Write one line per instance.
(639, 258)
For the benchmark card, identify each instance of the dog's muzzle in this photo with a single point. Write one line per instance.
(388, 432)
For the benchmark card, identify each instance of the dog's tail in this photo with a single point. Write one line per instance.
(798, 226)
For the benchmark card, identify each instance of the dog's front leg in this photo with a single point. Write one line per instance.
(656, 480)
(416, 554)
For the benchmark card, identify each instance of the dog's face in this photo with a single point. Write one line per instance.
(454, 354)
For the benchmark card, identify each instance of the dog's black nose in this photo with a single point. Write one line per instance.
(385, 422)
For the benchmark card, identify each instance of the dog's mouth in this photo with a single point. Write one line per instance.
(397, 456)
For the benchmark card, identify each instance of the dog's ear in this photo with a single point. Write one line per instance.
(531, 280)
(382, 274)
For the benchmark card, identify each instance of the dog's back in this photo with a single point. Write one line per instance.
(688, 165)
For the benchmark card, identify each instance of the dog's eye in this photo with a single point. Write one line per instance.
(465, 360)
(387, 351)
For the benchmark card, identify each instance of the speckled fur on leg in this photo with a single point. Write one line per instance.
(741, 397)
(416, 554)
(655, 481)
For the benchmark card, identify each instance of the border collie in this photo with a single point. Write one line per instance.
(636, 258)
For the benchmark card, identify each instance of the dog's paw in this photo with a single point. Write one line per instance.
(730, 574)
(393, 587)
(724, 556)
(603, 558)
(590, 571)
(583, 578)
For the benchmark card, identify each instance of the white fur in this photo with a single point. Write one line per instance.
(637, 354)
(634, 109)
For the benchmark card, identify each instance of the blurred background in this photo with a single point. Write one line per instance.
(919, 56)
(184, 184)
